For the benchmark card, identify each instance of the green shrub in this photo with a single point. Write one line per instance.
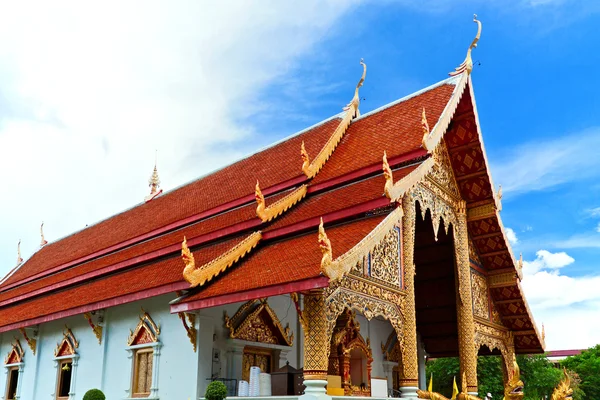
(216, 391)
(94, 394)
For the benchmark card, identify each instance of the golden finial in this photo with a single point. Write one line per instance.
(19, 258)
(425, 126)
(543, 333)
(520, 263)
(260, 202)
(389, 177)
(44, 241)
(467, 65)
(154, 182)
(305, 160)
(325, 245)
(356, 99)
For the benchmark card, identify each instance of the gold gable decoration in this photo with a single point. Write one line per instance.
(31, 342)
(279, 207)
(199, 276)
(311, 168)
(147, 331)
(467, 64)
(255, 321)
(15, 355)
(68, 345)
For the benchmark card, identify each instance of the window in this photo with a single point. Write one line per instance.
(11, 384)
(64, 379)
(142, 372)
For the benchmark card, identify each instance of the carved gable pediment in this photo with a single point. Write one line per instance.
(15, 355)
(68, 345)
(145, 332)
(442, 173)
(256, 321)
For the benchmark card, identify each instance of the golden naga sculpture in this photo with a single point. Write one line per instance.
(199, 276)
(325, 245)
(429, 393)
(467, 65)
(310, 169)
(280, 206)
(514, 387)
(389, 177)
(425, 126)
(563, 391)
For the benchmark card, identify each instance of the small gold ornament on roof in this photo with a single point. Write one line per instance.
(154, 184)
(389, 177)
(467, 65)
(19, 258)
(280, 206)
(356, 99)
(44, 241)
(425, 126)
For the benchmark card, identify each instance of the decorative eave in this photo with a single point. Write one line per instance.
(146, 331)
(280, 206)
(336, 269)
(311, 168)
(199, 276)
(242, 321)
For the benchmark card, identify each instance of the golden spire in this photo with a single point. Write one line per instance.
(467, 65)
(44, 241)
(19, 258)
(356, 99)
(154, 183)
(425, 126)
(543, 333)
(520, 264)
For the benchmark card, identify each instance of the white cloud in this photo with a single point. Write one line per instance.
(541, 165)
(89, 91)
(594, 212)
(546, 260)
(511, 235)
(562, 302)
(590, 240)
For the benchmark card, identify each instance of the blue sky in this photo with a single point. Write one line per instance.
(83, 108)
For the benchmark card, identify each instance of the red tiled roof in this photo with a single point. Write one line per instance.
(287, 261)
(227, 184)
(284, 261)
(395, 129)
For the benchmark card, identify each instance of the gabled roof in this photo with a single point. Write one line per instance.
(136, 254)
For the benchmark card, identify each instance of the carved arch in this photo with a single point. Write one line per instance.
(68, 345)
(15, 355)
(146, 331)
(495, 339)
(368, 306)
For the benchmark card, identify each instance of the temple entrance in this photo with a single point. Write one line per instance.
(350, 357)
(435, 287)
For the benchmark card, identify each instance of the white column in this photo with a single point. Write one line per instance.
(388, 368)
(204, 343)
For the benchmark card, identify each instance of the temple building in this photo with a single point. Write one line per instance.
(335, 260)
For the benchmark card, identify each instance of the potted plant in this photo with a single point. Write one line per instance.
(94, 394)
(216, 390)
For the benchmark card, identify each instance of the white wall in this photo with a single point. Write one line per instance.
(182, 373)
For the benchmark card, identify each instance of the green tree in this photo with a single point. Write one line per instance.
(587, 366)
(444, 370)
(489, 376)
(539, 375)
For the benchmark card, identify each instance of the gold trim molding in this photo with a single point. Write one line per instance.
(69, 342)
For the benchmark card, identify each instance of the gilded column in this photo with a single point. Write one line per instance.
(409, 379)
(316, 344)
(464, 302)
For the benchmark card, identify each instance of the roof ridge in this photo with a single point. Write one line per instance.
(453, 80)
